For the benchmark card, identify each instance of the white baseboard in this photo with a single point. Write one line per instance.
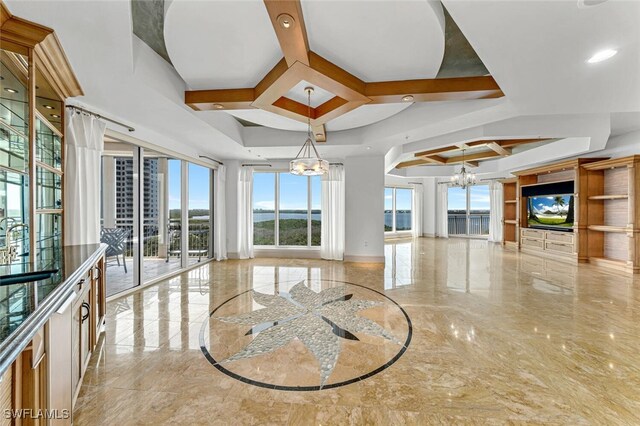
(363, 259)
(287, 253)
(429, 235)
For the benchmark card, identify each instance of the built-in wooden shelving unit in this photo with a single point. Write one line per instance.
(609, 197)
(559, 245)
(606, 230)
(510, 212)
(614, 213)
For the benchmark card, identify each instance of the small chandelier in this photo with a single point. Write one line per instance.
(463, 179)
(308, 161)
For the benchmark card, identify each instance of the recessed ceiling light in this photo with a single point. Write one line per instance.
(10, 90)
(48, 106)
(368, 147)
(218, 106)
(407, 98)
(602, 55)
(318, 135)
(286, 21)
(55, 115)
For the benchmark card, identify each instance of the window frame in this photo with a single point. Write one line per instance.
(467, 234)
(393, 230)
(276, 206)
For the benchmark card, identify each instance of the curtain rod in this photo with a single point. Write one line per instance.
(415, 183)
(211, 159)
(269, 165)
(86, 111)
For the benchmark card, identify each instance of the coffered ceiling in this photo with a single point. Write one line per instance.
(472, 153)
(536, 51)
(254, 59)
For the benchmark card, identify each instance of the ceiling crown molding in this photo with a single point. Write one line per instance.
(20, 35)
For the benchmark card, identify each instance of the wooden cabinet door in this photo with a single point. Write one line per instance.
(59, 351)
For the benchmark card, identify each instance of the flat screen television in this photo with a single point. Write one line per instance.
(551, 212)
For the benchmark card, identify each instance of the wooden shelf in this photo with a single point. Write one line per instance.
(510, 201)
(609, 197)
(608, 228)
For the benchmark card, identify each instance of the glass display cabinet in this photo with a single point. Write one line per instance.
(35, 79)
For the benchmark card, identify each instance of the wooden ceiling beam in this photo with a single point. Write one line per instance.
(436, 151)
(412, 163)
(288, 23)
(335, 79)
(437, 89)
(436, 159)
(471, 157)
(320, 133)
(499, 149)
(207, 100)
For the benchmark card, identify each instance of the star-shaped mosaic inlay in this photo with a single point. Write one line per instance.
(318, 320)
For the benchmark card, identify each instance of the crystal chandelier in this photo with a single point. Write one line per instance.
(463, 179)
(308, 161)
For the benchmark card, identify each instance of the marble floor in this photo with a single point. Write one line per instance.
(490, 336)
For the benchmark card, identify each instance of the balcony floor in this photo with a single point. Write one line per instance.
(118, 280)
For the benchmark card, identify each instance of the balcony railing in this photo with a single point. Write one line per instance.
(478, 224)
(166, 244)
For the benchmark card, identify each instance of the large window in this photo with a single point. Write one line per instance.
(199, 213)
(286, 210)
(468, 210)
(398, 203)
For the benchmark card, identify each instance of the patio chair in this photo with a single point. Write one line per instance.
(116, 239)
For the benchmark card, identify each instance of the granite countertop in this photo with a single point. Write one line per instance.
(25, 307)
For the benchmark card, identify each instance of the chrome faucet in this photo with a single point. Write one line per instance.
(9, 252)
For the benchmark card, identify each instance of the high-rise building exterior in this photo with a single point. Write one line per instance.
(124, 190)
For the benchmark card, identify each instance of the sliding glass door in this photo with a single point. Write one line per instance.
(468, 210)
(398, 209)
(153, 222)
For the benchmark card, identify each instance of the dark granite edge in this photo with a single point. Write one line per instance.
(15, 343)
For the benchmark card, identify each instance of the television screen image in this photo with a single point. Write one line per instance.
(550, 211)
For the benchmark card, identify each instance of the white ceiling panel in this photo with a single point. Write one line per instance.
(378, 40)
(220, 44)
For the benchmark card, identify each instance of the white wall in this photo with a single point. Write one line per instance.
(429, 208)
(364, 181)
(231, 207)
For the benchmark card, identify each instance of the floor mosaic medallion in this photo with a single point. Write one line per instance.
(305, 335)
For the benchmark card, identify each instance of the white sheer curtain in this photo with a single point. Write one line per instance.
(496, 198)
(84, 143)
(416, 217)
(442, 206)
(333, 214)
(219, 217)
(245, 213)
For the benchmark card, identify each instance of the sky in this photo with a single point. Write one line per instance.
(293, 191)
(542, 204)
(198, 186)
(479, 198)
(403, 198)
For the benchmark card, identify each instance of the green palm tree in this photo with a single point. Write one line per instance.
(558, 201)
